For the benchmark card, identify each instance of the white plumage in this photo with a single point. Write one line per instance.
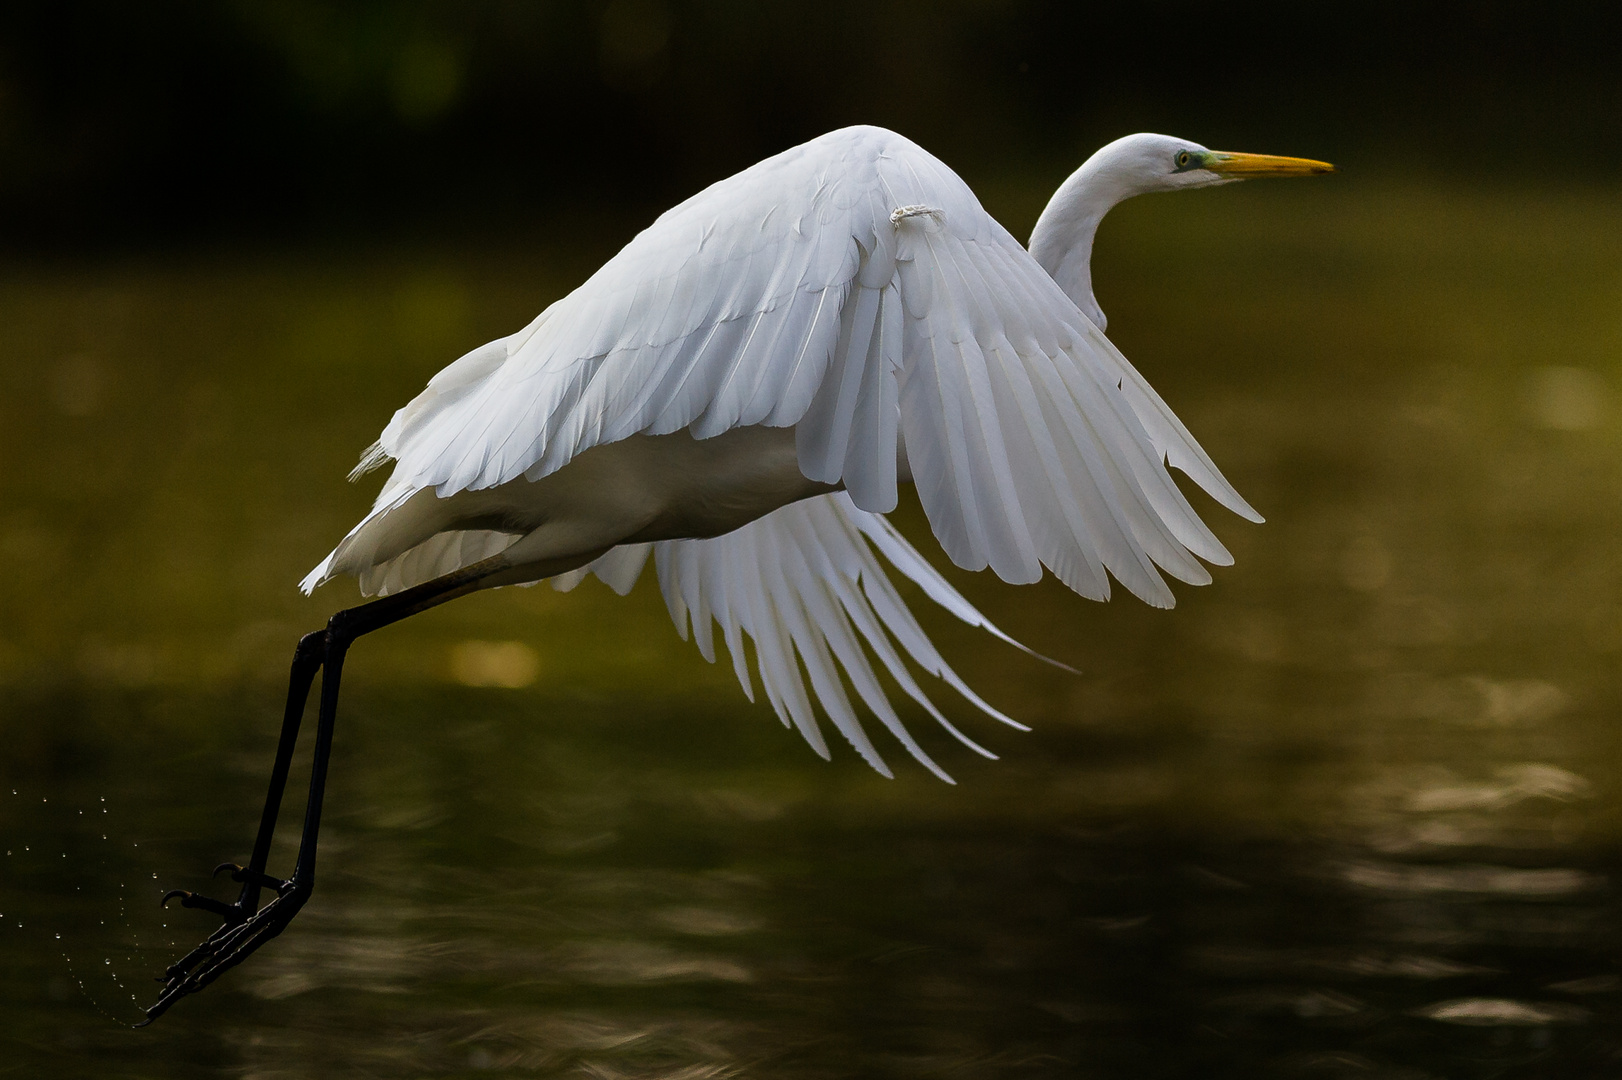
(740, 390)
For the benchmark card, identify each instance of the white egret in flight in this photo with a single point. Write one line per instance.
(736, 396)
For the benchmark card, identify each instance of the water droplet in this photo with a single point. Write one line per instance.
(59, 937)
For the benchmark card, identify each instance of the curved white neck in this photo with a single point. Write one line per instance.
(1062, 241)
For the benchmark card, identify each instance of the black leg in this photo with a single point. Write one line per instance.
(235, 939)
(304, 867)
(307, 661)
(246, 926)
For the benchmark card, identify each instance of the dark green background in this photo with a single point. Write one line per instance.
(172, 119)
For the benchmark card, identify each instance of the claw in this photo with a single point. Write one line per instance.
(197, 900)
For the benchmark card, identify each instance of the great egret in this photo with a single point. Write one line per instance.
(737, 394)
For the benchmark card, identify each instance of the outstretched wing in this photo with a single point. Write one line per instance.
(805, 583)
(853, 288)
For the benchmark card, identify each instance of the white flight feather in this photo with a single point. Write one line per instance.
(805, 581)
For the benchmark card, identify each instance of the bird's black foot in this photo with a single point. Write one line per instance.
(244, 931)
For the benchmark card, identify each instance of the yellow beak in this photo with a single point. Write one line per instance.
(1248, 166)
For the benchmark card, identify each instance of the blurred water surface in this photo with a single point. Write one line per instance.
(1352, 810)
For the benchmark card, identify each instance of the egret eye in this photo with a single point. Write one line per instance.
(1183, 159)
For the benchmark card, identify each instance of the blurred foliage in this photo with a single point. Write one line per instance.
(179, 118)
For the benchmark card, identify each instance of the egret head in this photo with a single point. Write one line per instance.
(1142, 163)
(1062, 241)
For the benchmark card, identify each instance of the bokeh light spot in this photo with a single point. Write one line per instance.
(508, 664)
(1566, 398)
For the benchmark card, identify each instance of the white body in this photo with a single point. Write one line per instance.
(739, 391)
